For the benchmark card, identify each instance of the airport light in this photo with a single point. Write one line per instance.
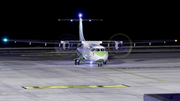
(71, 20)
(175, 40)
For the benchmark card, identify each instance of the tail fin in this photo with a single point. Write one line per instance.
(81, 36)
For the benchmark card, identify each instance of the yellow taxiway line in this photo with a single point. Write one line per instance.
(73, 86)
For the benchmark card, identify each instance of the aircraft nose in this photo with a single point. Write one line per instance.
(100, 54)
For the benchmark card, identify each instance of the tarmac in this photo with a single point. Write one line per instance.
(54, 77)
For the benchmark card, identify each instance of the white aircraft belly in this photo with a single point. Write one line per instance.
(95, 57)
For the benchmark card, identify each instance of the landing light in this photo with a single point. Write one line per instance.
(91, 62)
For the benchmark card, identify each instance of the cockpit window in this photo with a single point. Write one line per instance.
(97, 49)
(102, 49)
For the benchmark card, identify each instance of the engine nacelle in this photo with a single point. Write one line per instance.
(65, 45)
(118, 45)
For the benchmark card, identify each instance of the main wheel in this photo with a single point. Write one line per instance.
(101, 64)
(105, 62)
(78, 62)
(75, 62)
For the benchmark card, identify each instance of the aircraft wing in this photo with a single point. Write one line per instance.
(138, 41)
(42, 41)
(111, 45)
(119, 45)
(104, 42)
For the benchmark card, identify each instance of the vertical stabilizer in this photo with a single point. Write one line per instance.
(81, 36)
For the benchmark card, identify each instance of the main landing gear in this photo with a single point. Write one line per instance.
(77, 62)
(104, 62)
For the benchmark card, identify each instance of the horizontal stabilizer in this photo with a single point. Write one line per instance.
(71, 20)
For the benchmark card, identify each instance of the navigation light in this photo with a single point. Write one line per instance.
(80, 15)
(5, 39)
(175, 40)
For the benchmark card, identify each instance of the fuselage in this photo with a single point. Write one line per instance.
(92, 52)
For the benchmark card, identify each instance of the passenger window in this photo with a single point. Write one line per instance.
(102, 49)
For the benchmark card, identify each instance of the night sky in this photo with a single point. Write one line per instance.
(138, 20)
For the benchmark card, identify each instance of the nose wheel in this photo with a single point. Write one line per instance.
(100, 64)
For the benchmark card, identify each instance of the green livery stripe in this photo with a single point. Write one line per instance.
(101, 54)
(80, 55)
(100, 60)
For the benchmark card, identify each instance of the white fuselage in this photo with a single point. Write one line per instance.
(92, 51)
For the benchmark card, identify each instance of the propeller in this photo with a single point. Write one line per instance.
(124, 49)
(66, 47)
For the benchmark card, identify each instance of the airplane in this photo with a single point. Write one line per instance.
(87, 51)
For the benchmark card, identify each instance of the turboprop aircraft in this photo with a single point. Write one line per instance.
(91, 51)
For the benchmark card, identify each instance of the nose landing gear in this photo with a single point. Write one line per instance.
(100, 64)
